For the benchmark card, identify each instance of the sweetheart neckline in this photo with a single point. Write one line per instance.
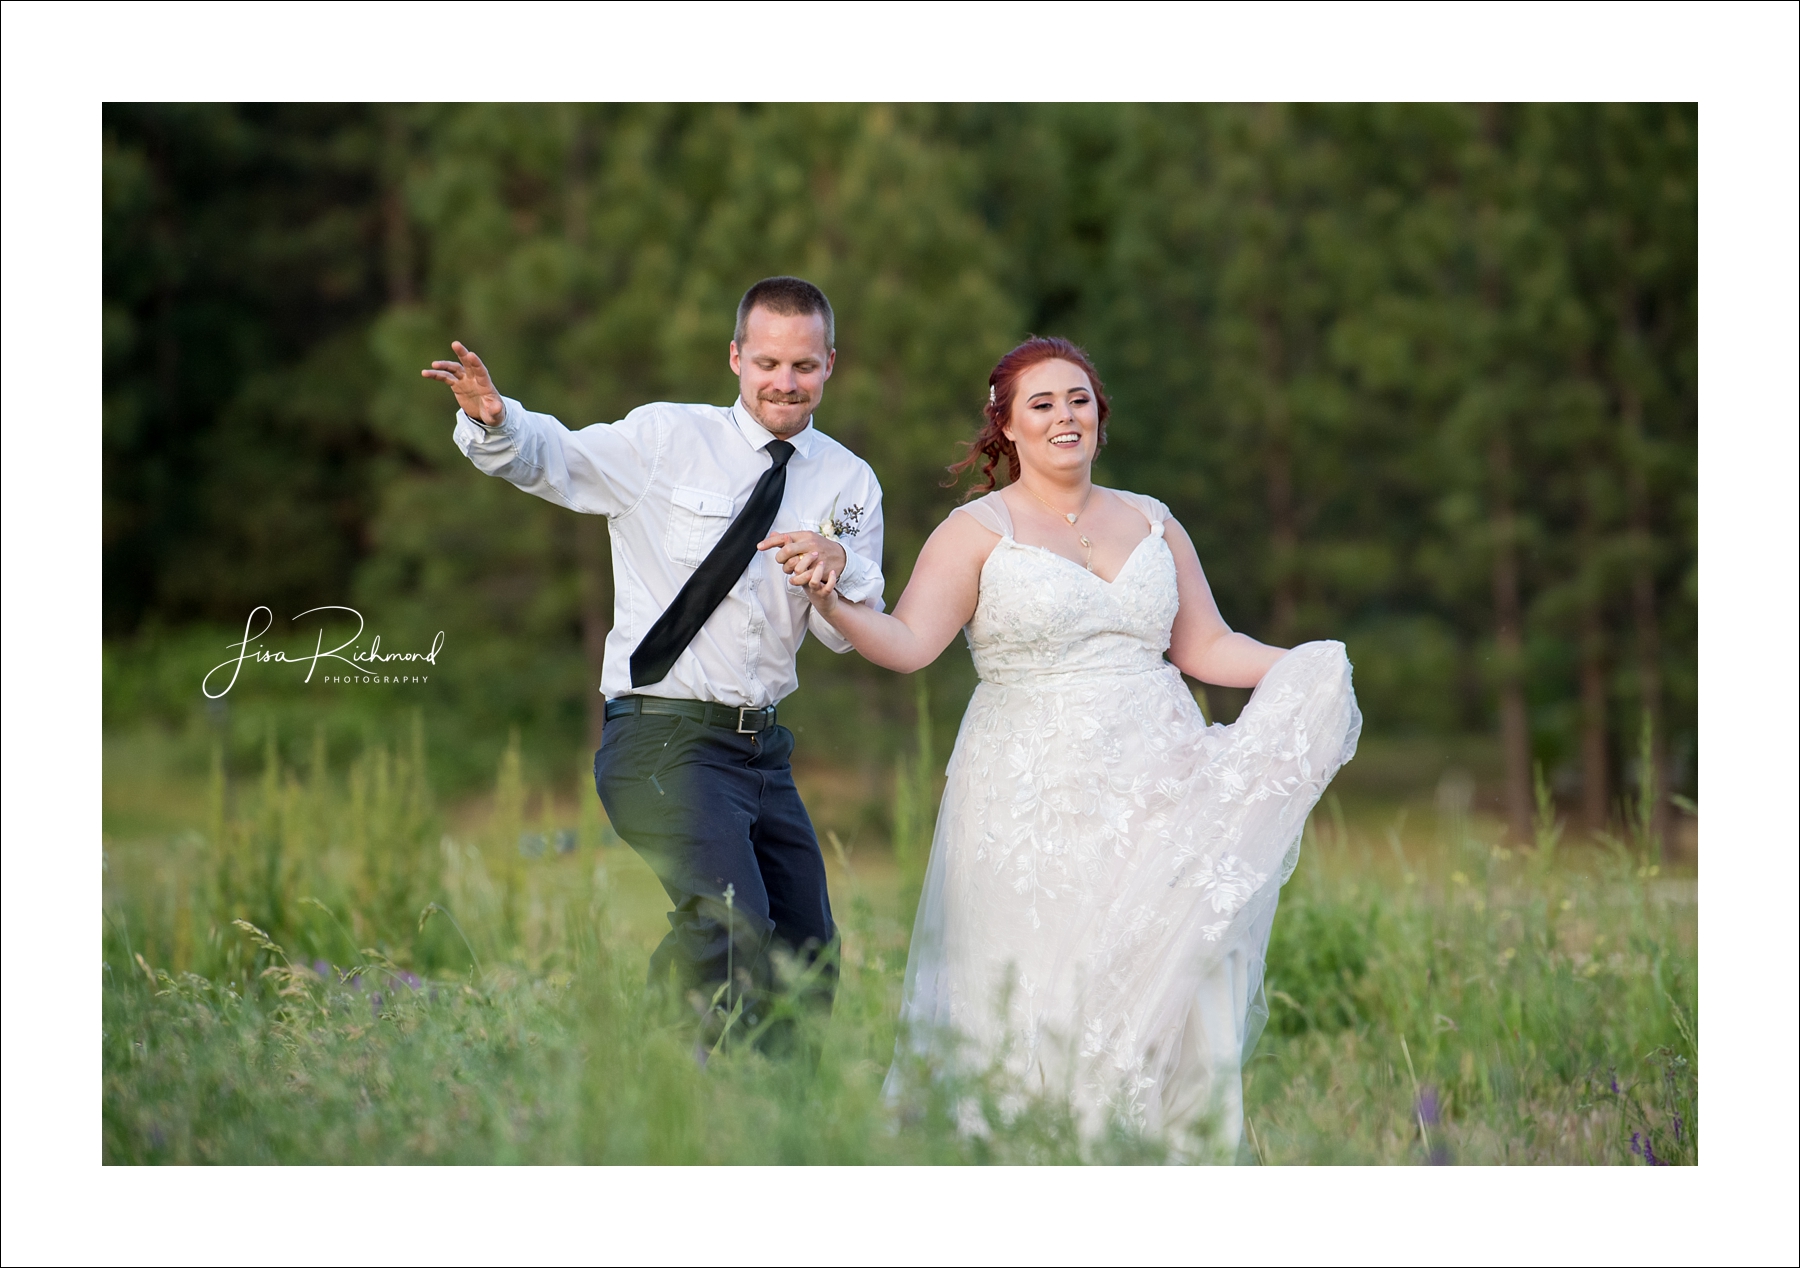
(1153, 535)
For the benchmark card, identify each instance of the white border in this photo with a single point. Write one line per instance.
(930, 51)
(1738, 61)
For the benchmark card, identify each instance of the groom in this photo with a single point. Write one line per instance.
(711, 509)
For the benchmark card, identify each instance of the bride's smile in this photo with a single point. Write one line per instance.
(1058, 417)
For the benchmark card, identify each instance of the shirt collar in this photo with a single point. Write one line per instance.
(758, 436)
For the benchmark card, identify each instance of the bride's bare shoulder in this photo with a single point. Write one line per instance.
(972, 530)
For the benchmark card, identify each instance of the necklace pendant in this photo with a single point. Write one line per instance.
(1069, 517)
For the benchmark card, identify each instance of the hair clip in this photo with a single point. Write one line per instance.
(990, 394)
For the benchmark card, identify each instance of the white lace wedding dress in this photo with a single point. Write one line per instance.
(1104, 873)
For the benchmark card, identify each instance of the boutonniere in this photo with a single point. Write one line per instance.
(840, 524)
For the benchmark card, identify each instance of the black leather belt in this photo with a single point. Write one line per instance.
(744, 719)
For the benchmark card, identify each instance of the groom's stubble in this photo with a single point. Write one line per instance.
(782, 366)
(770, 397)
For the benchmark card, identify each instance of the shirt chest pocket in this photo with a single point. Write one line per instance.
(697, 519)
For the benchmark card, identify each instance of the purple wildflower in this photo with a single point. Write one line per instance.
(1640, 1145)
(1615, 1083)
(1678, 1129)
(1429, 1113)
(410, 980)
(322, 969)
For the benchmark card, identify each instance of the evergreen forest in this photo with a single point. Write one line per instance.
(1418, 377)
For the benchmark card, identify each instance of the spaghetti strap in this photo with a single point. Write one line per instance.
(990, 512)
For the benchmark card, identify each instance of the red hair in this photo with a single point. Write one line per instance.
(990, 444)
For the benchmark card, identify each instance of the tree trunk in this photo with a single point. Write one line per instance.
(1649, 638)
(1509, 642)
(1594, 755)
(1645, 618)
(1649, 657)
(1278, 474)
(1515, 729)
(166, 237)
(1596, 807)
(396, 223)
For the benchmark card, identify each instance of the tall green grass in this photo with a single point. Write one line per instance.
(1481, 1004)
(328, 967)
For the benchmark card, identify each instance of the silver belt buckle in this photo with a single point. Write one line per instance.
(744, 730)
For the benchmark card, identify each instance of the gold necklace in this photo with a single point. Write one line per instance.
(1072, 516)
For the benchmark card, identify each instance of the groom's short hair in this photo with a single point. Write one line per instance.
(786, 297)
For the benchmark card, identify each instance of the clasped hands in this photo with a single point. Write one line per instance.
(812, 561)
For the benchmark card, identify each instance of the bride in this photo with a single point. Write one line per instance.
(1104, 872)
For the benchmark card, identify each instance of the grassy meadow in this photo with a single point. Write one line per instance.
(317, 960)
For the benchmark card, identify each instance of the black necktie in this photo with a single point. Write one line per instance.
(715, 576)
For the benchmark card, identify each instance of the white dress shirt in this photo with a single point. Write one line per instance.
(669, 479)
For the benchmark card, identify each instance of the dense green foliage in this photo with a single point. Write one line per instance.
(1422, 378)
(331, 972)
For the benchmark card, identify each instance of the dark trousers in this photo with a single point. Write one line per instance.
(714, 812)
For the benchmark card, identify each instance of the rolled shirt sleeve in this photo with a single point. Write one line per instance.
(822, 630)
(862, 580)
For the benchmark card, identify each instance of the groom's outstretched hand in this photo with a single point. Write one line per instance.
(469, 379)
(808, 558)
